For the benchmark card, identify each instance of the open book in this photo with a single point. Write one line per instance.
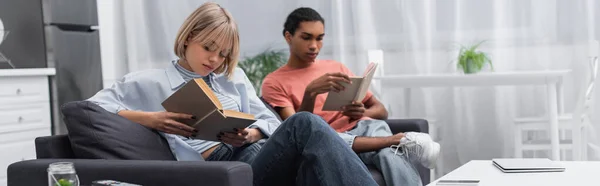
(353, 92)
(196, 98)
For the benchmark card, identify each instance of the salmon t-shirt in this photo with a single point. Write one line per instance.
(285, 88)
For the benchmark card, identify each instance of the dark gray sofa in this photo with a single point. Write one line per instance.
(145, 172)
(397, 126)
(155, 172)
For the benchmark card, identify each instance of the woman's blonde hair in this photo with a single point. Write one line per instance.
(212, 26)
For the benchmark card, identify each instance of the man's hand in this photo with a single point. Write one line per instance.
(355, 110)
(326, 83)
(394, 139)
(240, 137)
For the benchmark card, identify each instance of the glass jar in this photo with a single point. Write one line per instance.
(62, 174)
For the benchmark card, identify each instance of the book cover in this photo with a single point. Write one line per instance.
(197, 98)
(353, 92)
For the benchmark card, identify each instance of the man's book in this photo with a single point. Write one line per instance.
(528, 165)
(352, 92)
(197, 98)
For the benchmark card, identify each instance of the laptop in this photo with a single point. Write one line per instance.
(528, 165)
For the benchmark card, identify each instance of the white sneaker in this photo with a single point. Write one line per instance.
(419, 147)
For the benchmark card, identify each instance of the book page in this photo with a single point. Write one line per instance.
(369, 68)
(233, 113)
(362, 92)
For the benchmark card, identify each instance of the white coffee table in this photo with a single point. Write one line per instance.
(576, 173)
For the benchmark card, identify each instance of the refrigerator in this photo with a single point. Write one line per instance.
(24, 45)
(73, 49)
(60, 34)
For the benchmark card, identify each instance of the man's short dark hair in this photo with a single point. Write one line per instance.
(298, 16)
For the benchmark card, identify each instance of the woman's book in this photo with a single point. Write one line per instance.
(197, 98)
(352, 92)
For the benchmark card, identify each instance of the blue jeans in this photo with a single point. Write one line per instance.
(226, 152)
(304, 150)
(396, 169)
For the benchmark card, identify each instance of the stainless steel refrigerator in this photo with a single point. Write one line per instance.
(56, 33)
(24, 45)
(73, 49)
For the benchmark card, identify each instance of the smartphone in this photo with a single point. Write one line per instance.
(111, 183)
(458, 182)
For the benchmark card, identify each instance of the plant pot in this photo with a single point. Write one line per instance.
(470, 67)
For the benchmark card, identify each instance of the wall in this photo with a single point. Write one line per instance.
(112, 52)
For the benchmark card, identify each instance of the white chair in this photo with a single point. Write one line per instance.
(576, 123)
(376, 56)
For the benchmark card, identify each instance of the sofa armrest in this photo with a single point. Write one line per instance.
(144, 172)
(412, 125)
(408, 125)
(57, 146)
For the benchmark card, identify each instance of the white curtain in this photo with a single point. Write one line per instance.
(417, 37)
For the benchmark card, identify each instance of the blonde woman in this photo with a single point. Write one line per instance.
(303, 150)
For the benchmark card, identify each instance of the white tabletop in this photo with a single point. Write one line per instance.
(28, 72)
(479, 79)
(576, 173)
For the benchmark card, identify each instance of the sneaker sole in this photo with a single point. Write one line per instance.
(433, 155)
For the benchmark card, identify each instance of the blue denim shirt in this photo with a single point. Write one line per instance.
(146, 90)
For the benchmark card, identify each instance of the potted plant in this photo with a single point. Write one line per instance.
(471, 61)
(260, 65)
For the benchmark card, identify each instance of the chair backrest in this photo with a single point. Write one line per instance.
(49, 147)
(376, 56)
(585, 99)
(584, 105)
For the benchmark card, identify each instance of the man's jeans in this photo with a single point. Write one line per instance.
(304, 150)
(396, 169)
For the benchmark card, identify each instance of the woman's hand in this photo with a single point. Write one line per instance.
(167, 122)
(240, 137)
(163, 121)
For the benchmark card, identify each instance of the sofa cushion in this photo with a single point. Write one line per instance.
(98, 134)
(271, 109)
(376, 175)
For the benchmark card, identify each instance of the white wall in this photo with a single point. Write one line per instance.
(258, 32)
(112, 53)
